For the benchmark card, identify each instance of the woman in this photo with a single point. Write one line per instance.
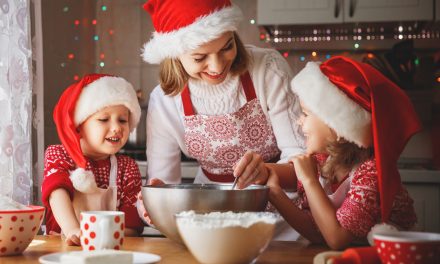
(224, 104)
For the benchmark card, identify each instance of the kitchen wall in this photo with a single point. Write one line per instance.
(131, 25)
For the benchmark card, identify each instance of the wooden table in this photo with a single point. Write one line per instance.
(171, 252)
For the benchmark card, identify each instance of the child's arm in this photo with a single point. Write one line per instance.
(131, 183)
(321, 207)
(64, 214)
(286, 175)
(131, 232)
(296, 218)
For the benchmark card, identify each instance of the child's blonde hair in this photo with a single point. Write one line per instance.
(344, 155)
(173, 77)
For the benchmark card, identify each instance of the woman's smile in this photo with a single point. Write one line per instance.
(214, 76)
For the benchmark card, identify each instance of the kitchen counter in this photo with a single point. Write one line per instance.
(171, 252)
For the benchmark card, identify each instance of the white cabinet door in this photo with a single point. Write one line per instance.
(427, 205)
(437, 10)
(387, 10)
(283, 12)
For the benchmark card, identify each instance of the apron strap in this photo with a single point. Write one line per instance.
(186, 100)
(113, 171)
(245, 80)
(248, 86)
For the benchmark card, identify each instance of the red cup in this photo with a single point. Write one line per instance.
(408, 247)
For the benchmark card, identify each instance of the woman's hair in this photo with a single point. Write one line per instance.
(343, 156)
(173, 77)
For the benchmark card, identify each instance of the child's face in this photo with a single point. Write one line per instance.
(105, 132)
(318, 134)
(212, 61)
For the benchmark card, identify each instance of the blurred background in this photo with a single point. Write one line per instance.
(401, 38)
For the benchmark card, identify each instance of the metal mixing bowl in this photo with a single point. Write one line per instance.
(163, 202)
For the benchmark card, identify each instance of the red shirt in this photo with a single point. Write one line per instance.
(360, 210)
(58, 163)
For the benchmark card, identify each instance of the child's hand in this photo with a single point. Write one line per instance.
(142, 212)
(73, 237)
(273, 182)
(305, 168)
(251, 170)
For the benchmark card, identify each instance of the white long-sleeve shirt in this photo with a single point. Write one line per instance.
(271, 77)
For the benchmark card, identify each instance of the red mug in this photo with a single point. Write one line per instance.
(408, 247)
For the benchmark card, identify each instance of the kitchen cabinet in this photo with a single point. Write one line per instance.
(427, 205)
(437, 10)
(189, 171)
(424, 188)
(387, 10)
(285, 12)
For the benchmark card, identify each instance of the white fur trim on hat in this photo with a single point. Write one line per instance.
(348, 119)
(107, 91)
(204, 29)
(83, 181)
(380, 229)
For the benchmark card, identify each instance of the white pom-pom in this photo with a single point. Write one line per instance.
(83, 181)
(380, 229)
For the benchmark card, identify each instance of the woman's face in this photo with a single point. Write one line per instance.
(318, 134)
(212, 61)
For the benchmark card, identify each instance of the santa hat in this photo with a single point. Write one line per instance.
(184, 25)
(364, 107)
(81, 100)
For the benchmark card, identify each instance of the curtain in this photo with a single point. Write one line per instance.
(15, 100)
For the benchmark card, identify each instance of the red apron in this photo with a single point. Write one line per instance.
(218, 142)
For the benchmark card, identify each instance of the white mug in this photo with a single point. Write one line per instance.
(102, 230)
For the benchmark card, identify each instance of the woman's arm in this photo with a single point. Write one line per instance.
(271, 76)
(164, 131)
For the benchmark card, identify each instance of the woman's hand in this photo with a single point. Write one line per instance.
(305, 168)
(251, 170)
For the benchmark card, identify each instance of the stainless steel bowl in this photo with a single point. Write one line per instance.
(163, 202)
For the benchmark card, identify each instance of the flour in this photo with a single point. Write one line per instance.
(225, 219)
(7, 203)
(226, 237)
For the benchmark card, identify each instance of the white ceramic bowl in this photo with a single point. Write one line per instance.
(408, 247)
(226, 237)
(18, 228)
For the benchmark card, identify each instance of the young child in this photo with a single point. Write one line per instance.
(93, 119)
(356, 123)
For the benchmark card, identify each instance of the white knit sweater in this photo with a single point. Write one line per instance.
(271, 77)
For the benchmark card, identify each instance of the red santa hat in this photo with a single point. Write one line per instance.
(364, 107)
(81, 100)
(184, 25)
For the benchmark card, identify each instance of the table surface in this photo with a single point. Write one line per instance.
(170, 252)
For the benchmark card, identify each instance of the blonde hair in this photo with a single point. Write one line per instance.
(173, 77)
(344, 155)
